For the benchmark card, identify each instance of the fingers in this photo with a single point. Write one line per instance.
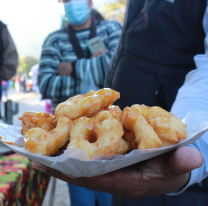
(170, 171)
(100, 53)
(185, 159)
(105, 52)
(65, 68)
(99, 182)
(51, 172)
(89, 182)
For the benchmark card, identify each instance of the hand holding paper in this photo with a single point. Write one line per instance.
(160, 175)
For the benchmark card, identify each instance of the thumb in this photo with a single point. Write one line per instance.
(185, 159)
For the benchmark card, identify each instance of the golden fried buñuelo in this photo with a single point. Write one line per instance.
(129, 136)
(83, 128)
(42, 120)
(123, 148)
(152, 112)
(74, 100)
(169, 128)
(46, 142)
(87, 106)
(109, 133)
(145, 136)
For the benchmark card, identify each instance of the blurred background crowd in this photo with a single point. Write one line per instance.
(29, 23)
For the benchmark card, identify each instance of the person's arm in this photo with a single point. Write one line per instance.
(51, 83)
(193, 95)
(10, 56)
(99, 65)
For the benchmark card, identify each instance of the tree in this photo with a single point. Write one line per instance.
(115, 10)
(26, 63)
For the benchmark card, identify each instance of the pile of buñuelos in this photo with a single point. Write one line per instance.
(91, 123)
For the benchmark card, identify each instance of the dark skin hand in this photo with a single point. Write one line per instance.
(100, 53)
(65, 68)
(159, 175)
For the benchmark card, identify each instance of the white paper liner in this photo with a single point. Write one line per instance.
(76, 163)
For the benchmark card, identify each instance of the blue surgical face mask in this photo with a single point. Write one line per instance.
(76, 12)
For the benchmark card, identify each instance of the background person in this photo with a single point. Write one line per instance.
(159, 55)
(63, 66)
(23, 80)
(17, 83)
(34, 71)
(4, 88)
(148, 51)
(65, 56)
(8, 56)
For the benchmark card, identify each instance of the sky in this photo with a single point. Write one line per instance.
(30, 21)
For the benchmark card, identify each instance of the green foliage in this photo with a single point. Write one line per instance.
(26, 63)
(115, 10)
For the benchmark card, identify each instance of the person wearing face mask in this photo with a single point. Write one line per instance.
(63, 66)
(65, 54)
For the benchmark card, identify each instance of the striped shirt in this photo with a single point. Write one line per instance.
(57, 48)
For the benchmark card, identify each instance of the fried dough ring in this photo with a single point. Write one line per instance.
(109, 133)
(87, 106)
(145, 136)
(93, 133)
(46, 142)
(42, 120)
(82, 128)
(169, 128)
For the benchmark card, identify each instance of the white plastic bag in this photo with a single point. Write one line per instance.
(88, 82)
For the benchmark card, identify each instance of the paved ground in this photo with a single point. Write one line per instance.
(61, 194)
(32, 102)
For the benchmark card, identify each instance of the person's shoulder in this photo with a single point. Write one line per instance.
(4, 30)
(2, 25)
(56, 36)
(111, 25)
